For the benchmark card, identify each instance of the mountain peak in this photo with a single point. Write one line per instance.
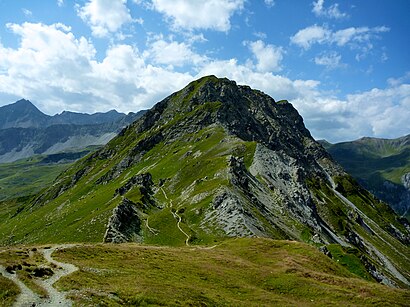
(21, 114)
(24, 102)
(242, 111)
(214, 160)
(24, 114)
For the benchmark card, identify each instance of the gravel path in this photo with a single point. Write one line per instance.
(26, 296)
(55, 298)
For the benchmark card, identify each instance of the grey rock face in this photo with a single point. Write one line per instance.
(124, 224)
(144, 183)
(228, 213)
(406, 180)
(21, 114)
(143, 180)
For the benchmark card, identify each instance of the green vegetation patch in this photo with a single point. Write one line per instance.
(349, 258)
(8, 291)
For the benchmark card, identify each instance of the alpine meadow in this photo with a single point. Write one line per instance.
(204, 153)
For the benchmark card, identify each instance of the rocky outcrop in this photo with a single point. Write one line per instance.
(228, 214)
(144, 183)
(406, 180)
(124, 224)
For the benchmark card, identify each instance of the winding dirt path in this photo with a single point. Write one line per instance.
(178, 217)
(175, 214)
(152, 230)
(26, 296)
(55, 298)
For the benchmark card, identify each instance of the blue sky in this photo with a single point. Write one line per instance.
(344, 65)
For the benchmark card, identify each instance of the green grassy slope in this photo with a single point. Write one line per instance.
(378, 164)
(369, 157)
(27, 177)
(8, 292)
(82, 214)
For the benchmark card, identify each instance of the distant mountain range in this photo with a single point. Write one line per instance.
(24, 114)
(26, 131)
(382, 166)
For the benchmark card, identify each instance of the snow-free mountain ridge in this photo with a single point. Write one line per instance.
(211, 161)
(26, 131)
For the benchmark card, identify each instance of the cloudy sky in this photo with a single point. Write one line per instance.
(345, 65)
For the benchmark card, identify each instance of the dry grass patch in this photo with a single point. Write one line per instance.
(243, 272)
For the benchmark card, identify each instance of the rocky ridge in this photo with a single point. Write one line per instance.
(218, 159)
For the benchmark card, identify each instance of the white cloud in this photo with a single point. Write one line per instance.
(172, 53)
(355, 37)
(270, 3)
(330, 60)
(105, 16)
(60, 3)
(268, 56)
(377, 113)
(330, 12)
(260, 35)
(60, 72)
(210, 14)
(393, 82)
(307, 37)
(383, 112)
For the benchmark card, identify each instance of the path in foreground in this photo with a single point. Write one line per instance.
(55, 298)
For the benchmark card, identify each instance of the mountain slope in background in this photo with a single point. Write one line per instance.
(211, 161)
(382, 166)
(26, 177)
(27, 132)
(19, 143)
(22, 114)
(73, 118)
